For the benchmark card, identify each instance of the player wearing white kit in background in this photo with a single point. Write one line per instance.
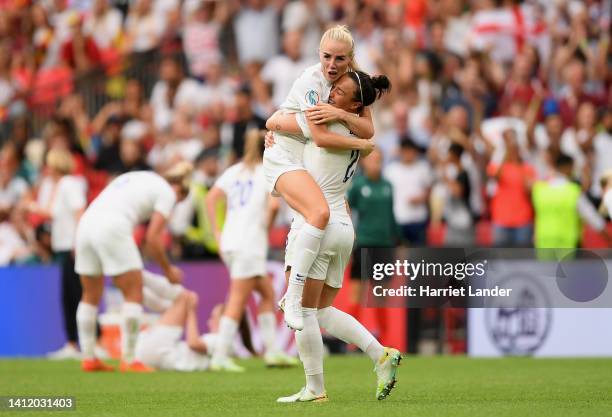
(284, 170)
(333, 171)
(105, 246)
(160, 345)
(244, 250)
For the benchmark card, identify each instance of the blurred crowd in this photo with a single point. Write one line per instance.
(488, 96)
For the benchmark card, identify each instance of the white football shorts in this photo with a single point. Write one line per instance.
(334, 254)
(105, 247)
(244, 265)
(284, 156)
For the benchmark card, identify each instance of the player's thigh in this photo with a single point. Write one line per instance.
(130, 284)
(304, 195)
(119, 254)
(87, 262)
(263, 285)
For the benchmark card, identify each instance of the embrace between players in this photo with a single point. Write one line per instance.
(319, 133)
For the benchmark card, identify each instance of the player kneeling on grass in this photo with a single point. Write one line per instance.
(333, 171)
(105, 246)
(244, 249)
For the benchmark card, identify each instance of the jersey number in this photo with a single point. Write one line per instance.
(240, 194)
(352, 166)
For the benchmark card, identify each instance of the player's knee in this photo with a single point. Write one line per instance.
(319, 216)
(133, 294)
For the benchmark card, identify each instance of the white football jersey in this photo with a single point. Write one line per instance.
(247, 202)
(308, 90)
(333, 171)
(133, 197)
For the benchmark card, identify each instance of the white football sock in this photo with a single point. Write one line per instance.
(154, 302)
(130, 327)
(305, 249)
(375, 350)
(310, 347)
(346, 328)
(86, 316)
(227, 332)
(267, 326)
(160, 285)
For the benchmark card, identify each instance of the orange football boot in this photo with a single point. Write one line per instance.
(96, 365)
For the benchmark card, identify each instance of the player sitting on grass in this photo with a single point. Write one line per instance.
(333, 170)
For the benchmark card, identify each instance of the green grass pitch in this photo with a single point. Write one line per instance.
(438, 386)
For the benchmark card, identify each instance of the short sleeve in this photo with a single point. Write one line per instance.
(165, 200)
(224, 182)
(308, 90)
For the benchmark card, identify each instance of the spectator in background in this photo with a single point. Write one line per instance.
(106, 146)
(388, 141)
(282, 70)
(371, 201)
(13, 248)
(183, 142)
(575, 92)
(144, 27)
(306, 17)
(12, 186)
(511, 210)
(64, 200)
(257, 32)
(460, 231)
(104, 25)
(217, 93)
(42, 37)
(246, 119)
(131, 148)
(173, 91)
(602, 149)
(201, 36)
(560, 205)
(79, 50)
(410, 177)
(545, 139)
(190, 219)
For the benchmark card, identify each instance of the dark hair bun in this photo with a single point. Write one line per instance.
(381, 84)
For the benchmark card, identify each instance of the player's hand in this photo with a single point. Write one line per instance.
(192, 299)
(174, 275)
(217, 234)
(269, 139)
(324, 113)
(367, 146)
